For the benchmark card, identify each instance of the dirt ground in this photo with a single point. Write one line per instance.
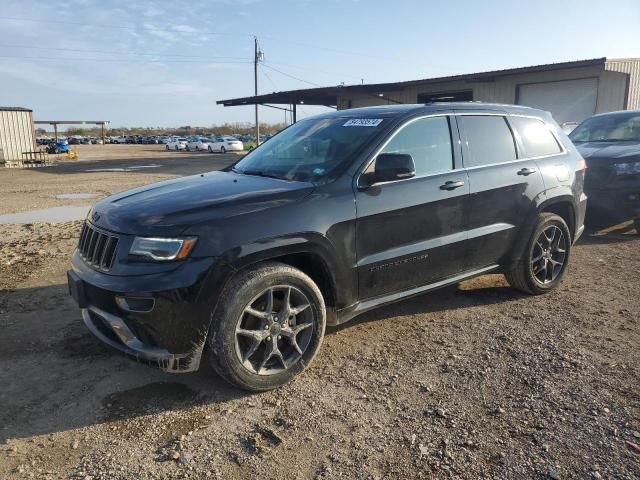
(474, 381)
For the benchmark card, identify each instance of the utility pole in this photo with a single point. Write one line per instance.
(256, 59)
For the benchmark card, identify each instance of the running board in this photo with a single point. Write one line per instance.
(356, 309)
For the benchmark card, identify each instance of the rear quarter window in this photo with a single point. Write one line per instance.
(536, 137)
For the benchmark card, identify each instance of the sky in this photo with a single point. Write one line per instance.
(165, 63)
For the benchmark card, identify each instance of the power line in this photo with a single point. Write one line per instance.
(112, 52)
(119, 60)
(198, 31)
(290, 76)
(311, 69)
(123, 27)
(270, 80)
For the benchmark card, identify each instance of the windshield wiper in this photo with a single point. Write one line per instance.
(260, 173)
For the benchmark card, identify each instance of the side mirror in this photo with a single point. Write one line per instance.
(392, 166)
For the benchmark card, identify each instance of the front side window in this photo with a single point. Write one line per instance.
(428, 141)
(489, 140)
(311, 150)
(536, 137)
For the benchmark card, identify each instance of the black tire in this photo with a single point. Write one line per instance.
(522, 275)
(210, 150)
(240, 293)
(223, 150)
(636, 223)
(166, 147)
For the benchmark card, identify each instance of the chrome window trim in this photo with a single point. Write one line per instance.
(564, 150)
(368, 163)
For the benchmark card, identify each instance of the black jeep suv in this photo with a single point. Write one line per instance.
(335, 215)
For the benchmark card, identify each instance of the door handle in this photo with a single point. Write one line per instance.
(527, 171)
(451, 185)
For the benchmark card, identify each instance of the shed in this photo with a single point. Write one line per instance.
(17, 134)
(571, 91)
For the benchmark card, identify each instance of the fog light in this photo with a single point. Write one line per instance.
(136, 304)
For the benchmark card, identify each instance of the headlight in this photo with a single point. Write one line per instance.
(627, 168)
(162, 249)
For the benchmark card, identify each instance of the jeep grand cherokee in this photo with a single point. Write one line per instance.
(334, 216)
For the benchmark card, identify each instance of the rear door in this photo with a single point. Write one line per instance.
(411, 232)
(503, 186)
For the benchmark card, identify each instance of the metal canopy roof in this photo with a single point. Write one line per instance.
(328, 96)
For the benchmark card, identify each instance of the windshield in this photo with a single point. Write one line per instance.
(310, 150)
(620, 127)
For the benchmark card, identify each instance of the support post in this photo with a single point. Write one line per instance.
(255, 80)
(103, 134)
(55, 131)
(295, 115)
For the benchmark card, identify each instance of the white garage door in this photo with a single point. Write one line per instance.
(568, 101)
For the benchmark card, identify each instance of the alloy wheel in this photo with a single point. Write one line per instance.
(274, 330)
(549, 254)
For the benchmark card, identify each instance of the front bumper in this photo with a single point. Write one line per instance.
(614, 205)
(169, 330)
(114, 331)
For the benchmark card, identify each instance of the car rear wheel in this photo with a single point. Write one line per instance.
(267, 328)
(166, 147)
(223, 150)
(210, 150)
(544, 262)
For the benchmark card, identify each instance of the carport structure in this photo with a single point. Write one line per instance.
(55, 124)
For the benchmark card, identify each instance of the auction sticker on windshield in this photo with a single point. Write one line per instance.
(363, 122)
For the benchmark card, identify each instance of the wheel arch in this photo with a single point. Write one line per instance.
(310, 252)
(562, 205)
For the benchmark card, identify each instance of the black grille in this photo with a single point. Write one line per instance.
(97, 248)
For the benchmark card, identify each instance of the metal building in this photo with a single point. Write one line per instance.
(17, 135)
(571, 91)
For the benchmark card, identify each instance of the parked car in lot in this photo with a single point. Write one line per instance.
(177, 144)
(120, 139)
(61, 146)
(198, 144)
(225, 144)
(336, 215)
(610, 144)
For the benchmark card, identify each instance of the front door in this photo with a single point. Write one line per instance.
(412, 232)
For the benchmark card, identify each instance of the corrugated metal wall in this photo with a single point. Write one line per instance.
(16, 134)
(630, 66)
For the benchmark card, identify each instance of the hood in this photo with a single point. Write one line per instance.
(167, 208)
(615, 151)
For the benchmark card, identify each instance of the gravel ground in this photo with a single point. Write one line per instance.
(473, 381)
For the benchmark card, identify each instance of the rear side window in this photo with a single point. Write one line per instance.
(428, 141)
(489, 140)
(536, 137)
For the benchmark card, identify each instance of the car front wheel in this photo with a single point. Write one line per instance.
(267, 328)
(223, 150)
(544, 262)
